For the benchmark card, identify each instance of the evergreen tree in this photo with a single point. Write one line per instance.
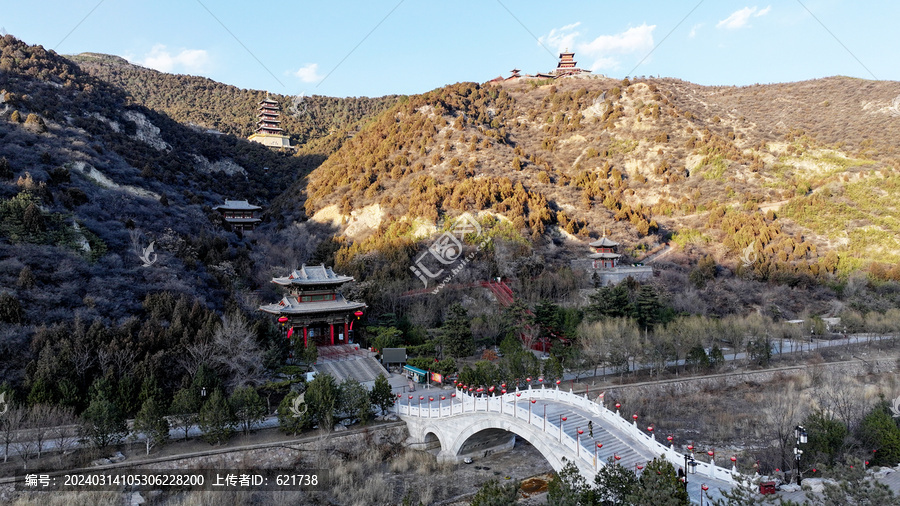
(878, 431)
(321, 402)
(456, 333)
(660, 486)
(151, 421)
(216, 418)
(381, 395)
(10, 309)
(185, 409)
(569, 488)
(647, 308)
(614, 483)
(248, 407)
(104, 422)
(291, 414)
(494, 493)
(353, 400)
(609, 301)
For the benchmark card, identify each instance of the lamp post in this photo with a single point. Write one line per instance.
(599, 445)
(703, 488)
(561, 420)
(578, 443)
(801, 438)
(545, 417)
(690, 465)
(670, 437)
(529, 410)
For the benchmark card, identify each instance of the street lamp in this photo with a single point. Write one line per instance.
(703, 488)
(800, 438)
(578, 442)
(599, 445)
(561, 420)
(690, 466)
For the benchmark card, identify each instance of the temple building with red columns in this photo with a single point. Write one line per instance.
(314, 306)
(604, 255)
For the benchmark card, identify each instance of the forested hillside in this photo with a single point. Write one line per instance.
(779, 169)
(194, 100)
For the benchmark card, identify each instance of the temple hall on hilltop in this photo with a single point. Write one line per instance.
(240, 214)
(315, 306)
(268, 125)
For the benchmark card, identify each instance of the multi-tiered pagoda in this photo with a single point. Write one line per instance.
(315, 305)
(268, 125)
(566, 66)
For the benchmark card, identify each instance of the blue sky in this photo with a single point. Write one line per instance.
(352, 48)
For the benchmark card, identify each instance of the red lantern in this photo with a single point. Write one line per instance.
(617, 457)
(503, 391)
(480, 390)
(580, 431)
(454, 382)
(705, 487)
(650, 429)
(634, 416)
(599, 445)
(670, 438)
(431, 399)
(528, 379)
(421, 397)
(283, 319)
(453, 394)
(491, 389)
(710, 453)
(399, 395)
(410, 397)
(541, 379)
(358, 314)
(690, 448)
(518, 394)
(639, 467)
(558, 382)
(533, 401)
(443, 398)
(502, 385)
(867, 462)
(565, 418)
(618, 406)
(733, 458)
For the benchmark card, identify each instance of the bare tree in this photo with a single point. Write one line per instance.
(840, 395)
(237, 351)
(10, 423)
(65, 429)
(39, 420)
(786, 410)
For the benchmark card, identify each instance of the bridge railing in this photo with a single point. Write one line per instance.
(461, 402)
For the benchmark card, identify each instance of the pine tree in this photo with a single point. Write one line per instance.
(216, 418)
(614, 483)
(184, 409)
(104, 422)
(456, 333)
(248, 407)
(321, 402)
(151, 421)
(381, 395)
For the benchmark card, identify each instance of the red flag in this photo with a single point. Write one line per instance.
(290, 332)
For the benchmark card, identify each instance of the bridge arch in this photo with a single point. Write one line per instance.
(465, 428)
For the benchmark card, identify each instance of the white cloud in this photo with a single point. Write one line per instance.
(187, 60)
(638, 39)
(740, 18)
(309, 73)
(560, 39)
(694, 30)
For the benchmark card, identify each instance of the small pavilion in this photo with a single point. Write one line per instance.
(604, 255)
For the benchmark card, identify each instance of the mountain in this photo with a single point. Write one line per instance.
(803, 176)
(208, 104)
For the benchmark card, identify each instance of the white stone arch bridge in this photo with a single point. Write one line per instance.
(556, 423)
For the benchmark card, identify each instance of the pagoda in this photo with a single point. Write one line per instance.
(241, 214)
(315, 304)
(268, 125)
(566, 66)
(604, 256)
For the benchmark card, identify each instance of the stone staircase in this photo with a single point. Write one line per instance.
(362, 369)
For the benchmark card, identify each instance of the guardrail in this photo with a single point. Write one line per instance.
(461, 402)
